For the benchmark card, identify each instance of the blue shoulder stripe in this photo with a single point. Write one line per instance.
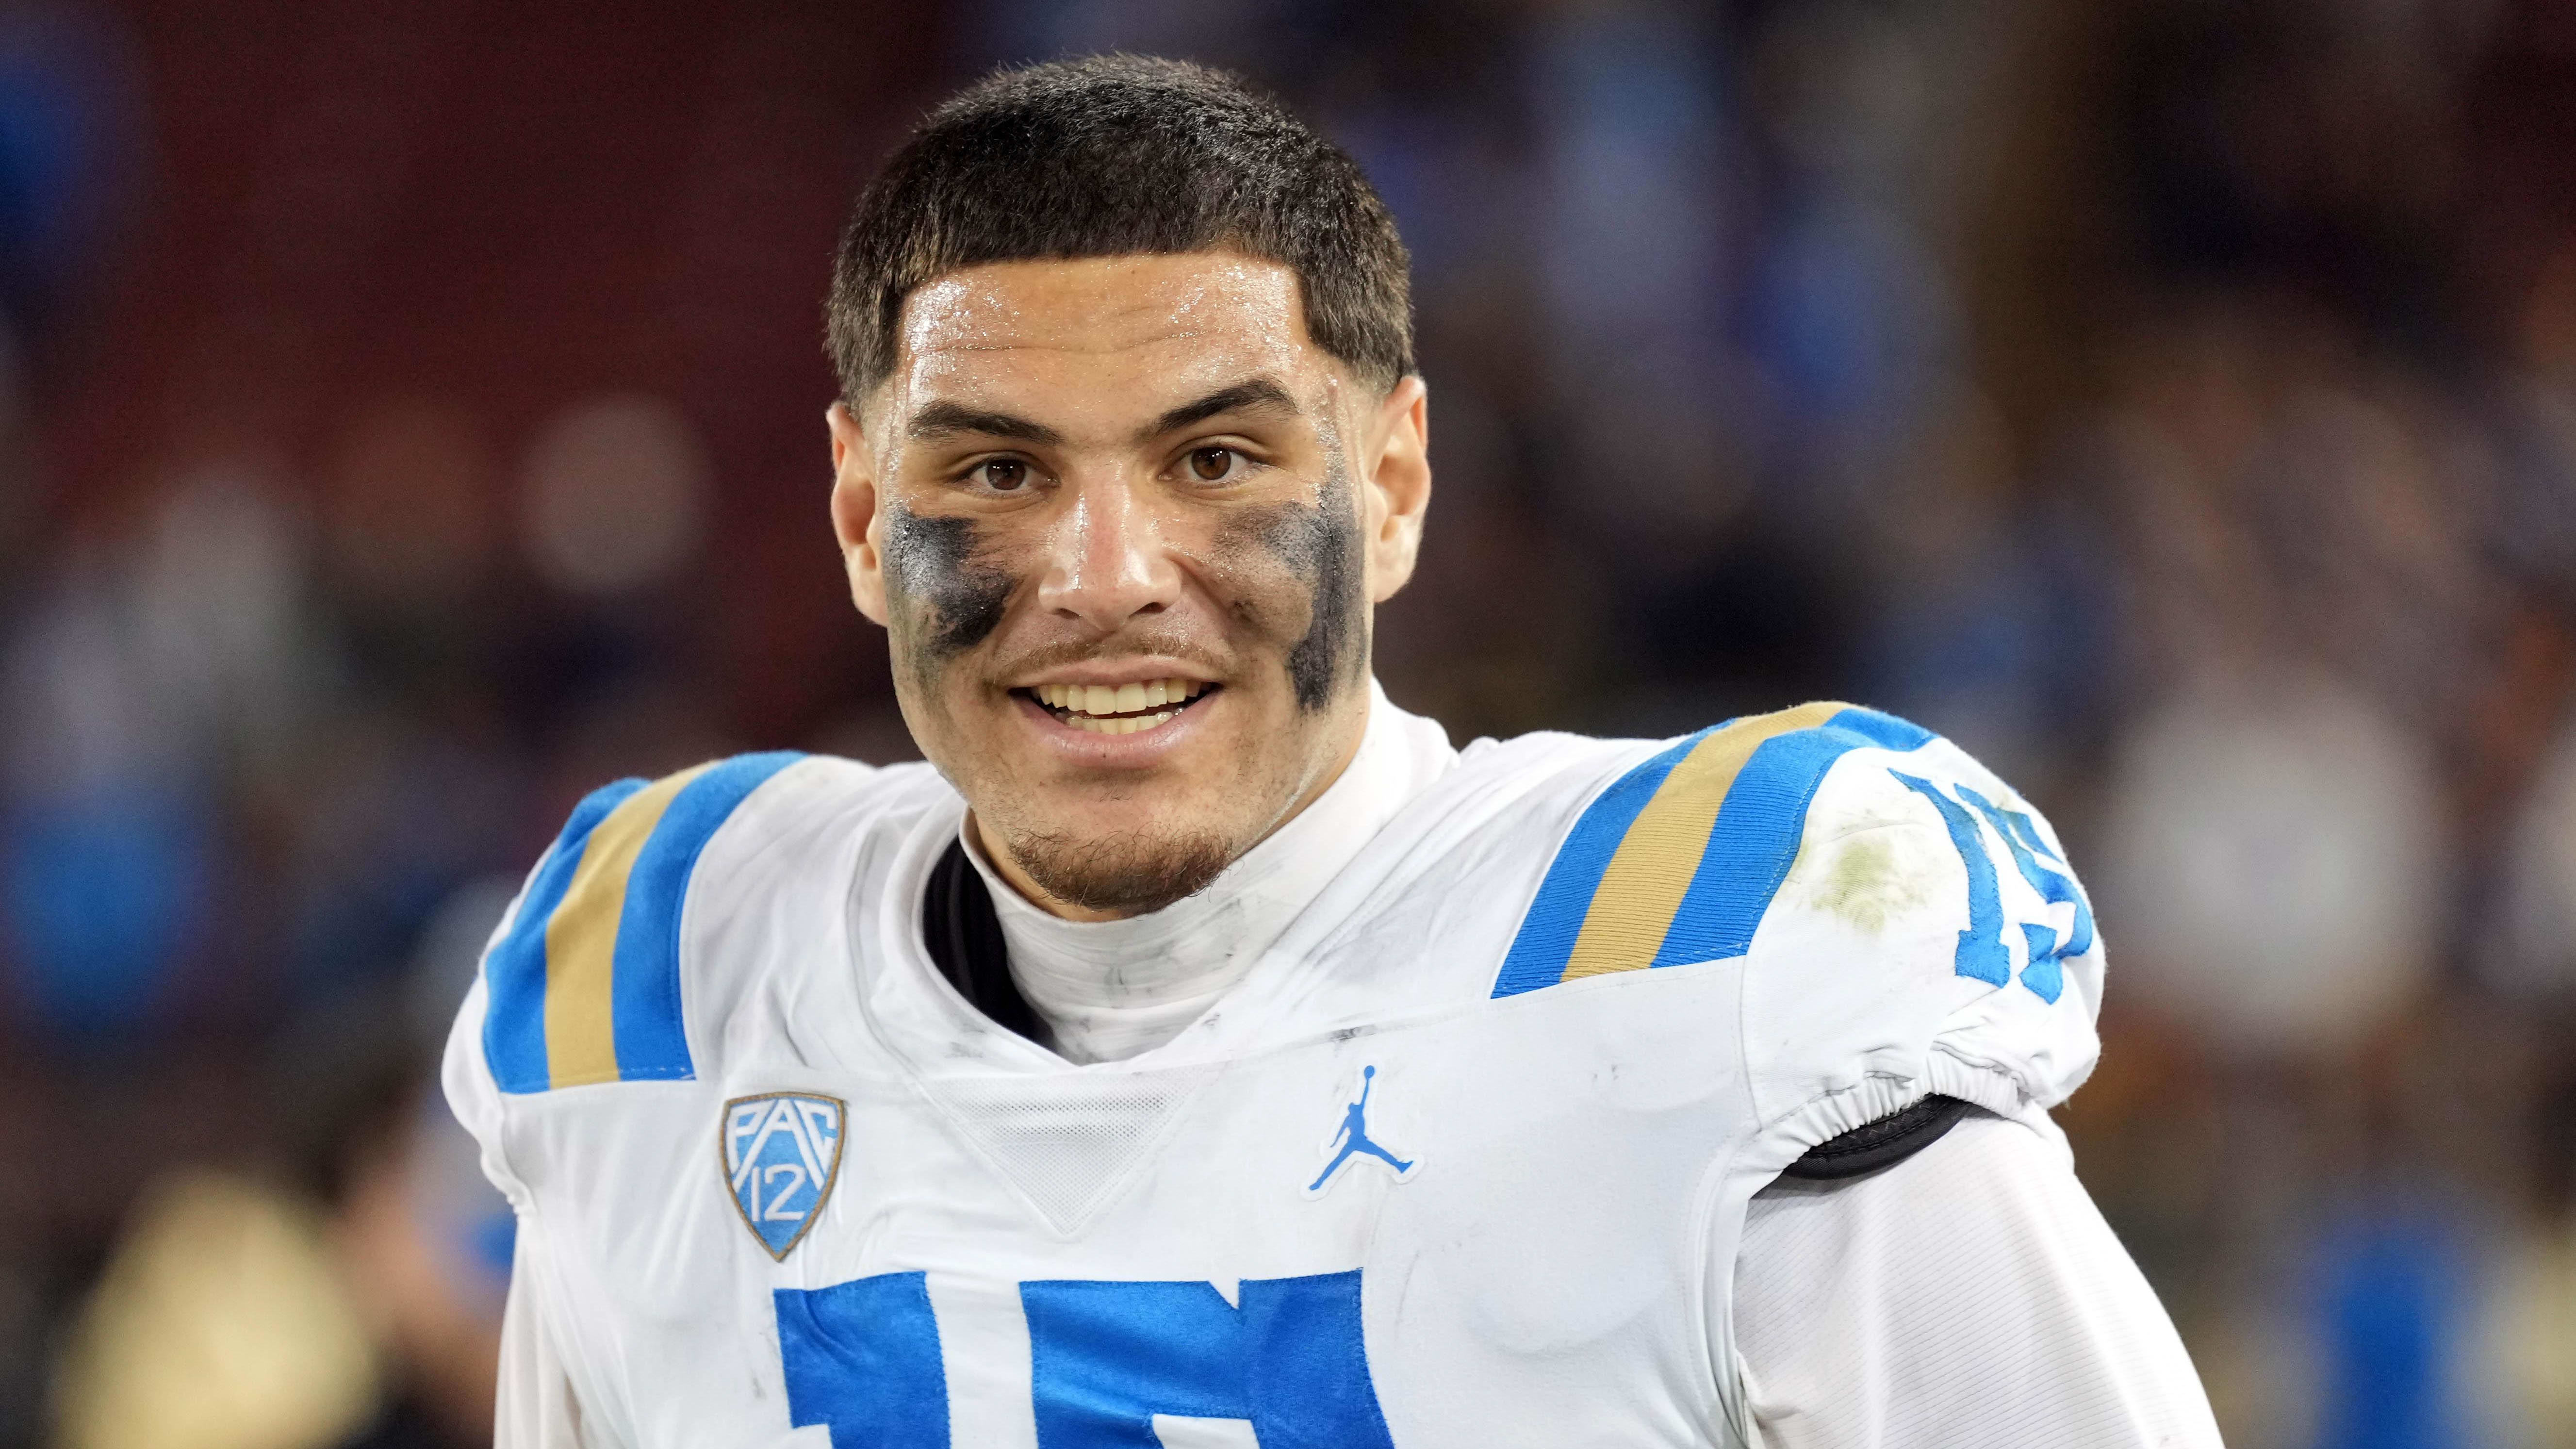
(514, 970)
(1883, 730)
(645, 1004)
(1758, 830)
(1678, 860)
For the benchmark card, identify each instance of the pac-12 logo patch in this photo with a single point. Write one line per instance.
(782, 1153)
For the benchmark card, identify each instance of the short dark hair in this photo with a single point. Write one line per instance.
(1120, 155)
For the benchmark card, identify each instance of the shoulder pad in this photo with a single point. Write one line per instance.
(1678, 859)
(584, 984)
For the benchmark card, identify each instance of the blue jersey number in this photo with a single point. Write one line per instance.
(1982, 953)
(863, 1358)
(1107, 1358)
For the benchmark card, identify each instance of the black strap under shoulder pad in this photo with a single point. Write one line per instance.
(1873, 1145)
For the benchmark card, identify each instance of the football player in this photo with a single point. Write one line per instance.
(1200, 1050)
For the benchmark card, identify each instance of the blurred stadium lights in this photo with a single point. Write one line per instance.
(613, 496)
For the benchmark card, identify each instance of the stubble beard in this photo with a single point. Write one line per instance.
(1128, 874)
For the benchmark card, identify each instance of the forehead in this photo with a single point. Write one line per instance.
(1139, 329)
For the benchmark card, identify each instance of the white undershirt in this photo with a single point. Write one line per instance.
(1106, 990)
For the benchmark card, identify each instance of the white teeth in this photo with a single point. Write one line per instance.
(1116, 709)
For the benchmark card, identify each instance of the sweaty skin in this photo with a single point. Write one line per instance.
(1127, 471)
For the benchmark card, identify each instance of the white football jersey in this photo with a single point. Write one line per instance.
(1463, 1160)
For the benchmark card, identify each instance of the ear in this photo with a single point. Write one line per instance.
(855, 517)
(1399, 486)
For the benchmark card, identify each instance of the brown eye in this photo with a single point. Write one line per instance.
(1212, 464)
(1003, 475)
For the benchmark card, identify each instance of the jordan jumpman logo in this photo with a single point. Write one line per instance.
(1354, 1138)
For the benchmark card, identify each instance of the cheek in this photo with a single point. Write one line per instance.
(1296, 576)
(943, 590)
(1264, 597)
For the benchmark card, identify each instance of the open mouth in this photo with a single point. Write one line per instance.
(1118, 709)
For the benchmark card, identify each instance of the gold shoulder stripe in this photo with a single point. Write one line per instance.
(581, 940)
(1652, 870)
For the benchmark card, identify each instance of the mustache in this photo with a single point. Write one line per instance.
(1126, 644)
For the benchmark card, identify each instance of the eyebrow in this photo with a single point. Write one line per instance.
(1259, 394)
(942, 420)
(947, 420)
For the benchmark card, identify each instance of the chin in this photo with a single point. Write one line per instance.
(1125, 872)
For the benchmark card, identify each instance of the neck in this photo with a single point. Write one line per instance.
(1108, 989)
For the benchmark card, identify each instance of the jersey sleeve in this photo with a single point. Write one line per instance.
(1922, 934)
(535, 1406)
(1971, 1294)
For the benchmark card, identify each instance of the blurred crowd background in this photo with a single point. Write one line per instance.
(411, 417)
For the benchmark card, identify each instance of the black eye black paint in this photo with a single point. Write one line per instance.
(931, 562)
(1321, 545)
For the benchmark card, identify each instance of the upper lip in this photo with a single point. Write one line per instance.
(1114, 672)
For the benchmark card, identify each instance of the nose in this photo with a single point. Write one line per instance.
(1107, 562)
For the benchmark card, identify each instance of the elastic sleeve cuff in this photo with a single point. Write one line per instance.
(1831, 1115)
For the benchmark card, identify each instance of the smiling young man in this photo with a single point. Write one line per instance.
(1199, 1050)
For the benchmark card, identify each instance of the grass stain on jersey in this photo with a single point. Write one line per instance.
(1865, 884)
